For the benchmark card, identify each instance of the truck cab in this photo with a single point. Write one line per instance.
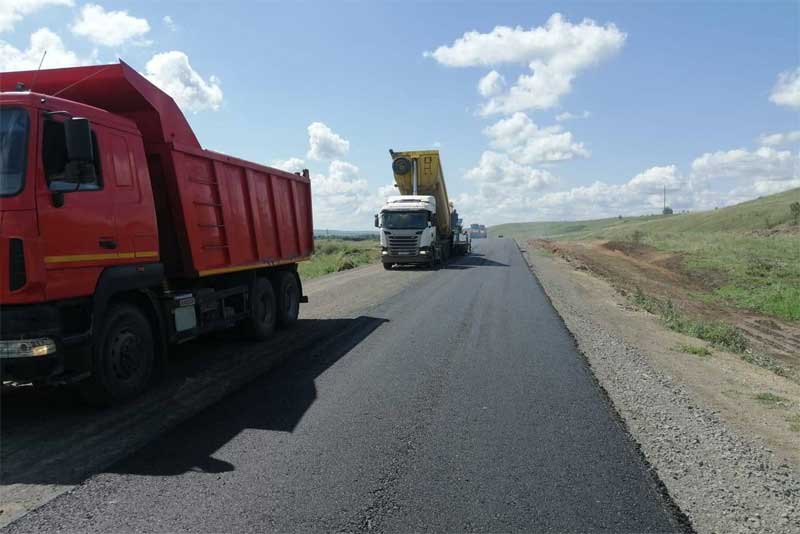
(75, 201)
(408, 230)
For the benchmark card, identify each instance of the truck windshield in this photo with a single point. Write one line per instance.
(13, 148)
(400, 220)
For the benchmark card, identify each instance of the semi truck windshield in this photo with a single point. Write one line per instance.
(13, 148)
(400, 220)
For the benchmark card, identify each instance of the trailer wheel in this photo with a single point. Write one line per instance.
(288, 296)
(123, 358)
(263, 311)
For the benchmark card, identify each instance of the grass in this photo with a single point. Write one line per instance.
(770, 399)
(693, 349)
(719, 334)
(751, 249)
(794, 422)
(335, 255)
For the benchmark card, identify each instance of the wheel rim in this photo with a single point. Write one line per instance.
(289, 293)
(127, 355)
(264, 308)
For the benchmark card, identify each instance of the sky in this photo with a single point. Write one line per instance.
(541, 110)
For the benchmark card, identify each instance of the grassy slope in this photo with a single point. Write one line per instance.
(762, 268)
(334, 255)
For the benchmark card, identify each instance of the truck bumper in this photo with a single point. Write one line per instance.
(35, 347)
(419, 258)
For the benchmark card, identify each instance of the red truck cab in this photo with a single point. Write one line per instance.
(119, 234)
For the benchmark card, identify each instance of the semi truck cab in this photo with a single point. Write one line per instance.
(408, 230)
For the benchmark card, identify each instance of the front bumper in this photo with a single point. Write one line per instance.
(406, 258)
(36, 344)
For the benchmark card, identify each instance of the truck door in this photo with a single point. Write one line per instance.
(79, 237)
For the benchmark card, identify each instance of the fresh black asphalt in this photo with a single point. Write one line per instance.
(461, 404)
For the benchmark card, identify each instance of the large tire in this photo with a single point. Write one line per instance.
(123, 358)
(287, 293)
(263, 311)
(388, 266)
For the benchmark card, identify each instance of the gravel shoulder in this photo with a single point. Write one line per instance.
(729, 460)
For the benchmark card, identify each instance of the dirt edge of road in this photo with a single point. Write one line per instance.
(695, 419)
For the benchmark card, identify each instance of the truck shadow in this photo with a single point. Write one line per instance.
(471, 261)
(51, 438)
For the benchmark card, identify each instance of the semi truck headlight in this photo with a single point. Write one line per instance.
(423, 251)
(384, 252)
(27, 348)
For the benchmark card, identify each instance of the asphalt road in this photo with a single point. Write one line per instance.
(458, 404)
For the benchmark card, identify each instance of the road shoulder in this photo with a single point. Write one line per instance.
(729, 461)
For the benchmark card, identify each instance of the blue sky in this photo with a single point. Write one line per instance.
(700, 97)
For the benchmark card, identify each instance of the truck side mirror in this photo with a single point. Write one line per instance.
(78, 136)
(377, 225)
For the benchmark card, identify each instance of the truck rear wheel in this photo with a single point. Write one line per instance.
(122, 363)
(263, 311)
(288, 296)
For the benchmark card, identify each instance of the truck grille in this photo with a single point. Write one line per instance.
(403, 245)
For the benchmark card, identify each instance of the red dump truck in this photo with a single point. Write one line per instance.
(120, 235)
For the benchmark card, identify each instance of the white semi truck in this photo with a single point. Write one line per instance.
(417, 226)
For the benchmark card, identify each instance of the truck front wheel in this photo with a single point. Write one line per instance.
(388, 266)
(263, 312)
(123, 358)
(288, 296)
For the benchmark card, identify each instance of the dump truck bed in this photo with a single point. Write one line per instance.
(227, 215)
(215, 213)
(430, 181)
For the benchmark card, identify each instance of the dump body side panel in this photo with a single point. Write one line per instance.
(235, 215)
(430, 181)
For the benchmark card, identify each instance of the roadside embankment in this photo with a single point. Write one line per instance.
(721, 433)
(337, 255)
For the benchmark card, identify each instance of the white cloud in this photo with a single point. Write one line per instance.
(556, 53)
(172, 72)
(12, 11)
(498, 175)
(169, 23)
(567, 116)
(289, 165)
(491, 84)
(323, 143)
(341, 198)
(41, 40)
(527, 143)
(654, 179)
(779, 139)
(787, 89)
(764, 163)
(109, 28)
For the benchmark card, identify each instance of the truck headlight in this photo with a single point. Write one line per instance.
(384, 252)
(423, 251)
(27, 348)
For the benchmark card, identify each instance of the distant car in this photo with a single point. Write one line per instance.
(500, 236)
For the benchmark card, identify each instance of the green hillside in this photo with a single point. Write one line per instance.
(755, 245)
(761, 214)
